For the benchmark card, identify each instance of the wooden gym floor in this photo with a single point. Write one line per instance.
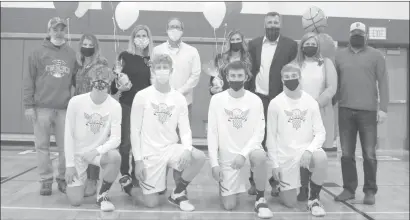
(20, 197)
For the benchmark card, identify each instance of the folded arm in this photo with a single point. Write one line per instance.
(258, 133)
(115, 134)
(271, 134)
(184, 126)
(319, 132)
(331, 83)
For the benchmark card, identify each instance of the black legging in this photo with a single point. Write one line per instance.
(125, 145)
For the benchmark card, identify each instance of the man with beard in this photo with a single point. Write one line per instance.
(362, 75)
(47, 90)
(269, 54)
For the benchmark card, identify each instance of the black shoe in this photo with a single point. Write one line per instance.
(303, 194)
(46, 188)
(62, 186)
(369, 198)
(126, 184)
(344, 196)
(275, 187)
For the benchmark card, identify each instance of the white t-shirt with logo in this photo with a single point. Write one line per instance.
(89, 126)
(294, 125)
(235, 126)
(155, 117)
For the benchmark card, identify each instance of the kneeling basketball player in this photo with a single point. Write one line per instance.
(92, 134)
(156, 113)
(295, 136)
(236, 127)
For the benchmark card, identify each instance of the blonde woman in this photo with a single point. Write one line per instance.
(236, 49)
(135, 64)
(88, 58)
(318, 79)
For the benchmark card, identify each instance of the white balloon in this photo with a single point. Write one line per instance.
(83, 7)
(126, 14)
(214, 12)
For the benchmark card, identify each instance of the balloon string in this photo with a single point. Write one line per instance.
(68, 31)
(216, 41)
(115, 35)
(223, 44)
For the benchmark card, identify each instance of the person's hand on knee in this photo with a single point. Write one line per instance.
(185, 160)
(70, 173)
(217, 174)
(140, 172)
(305, 160)
(89, 156)
(276, 173)
(238, 162)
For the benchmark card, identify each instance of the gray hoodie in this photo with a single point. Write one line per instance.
(50, 77)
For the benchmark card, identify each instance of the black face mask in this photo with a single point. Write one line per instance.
(272, 33)
(236, 46)
(291, 84)
(87, 52)
(100, 85)
(357, 41)
(309, 51)
(236, 85)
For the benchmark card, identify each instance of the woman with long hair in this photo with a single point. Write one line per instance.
(318, 79)
(236, 48)
(88, 58)
(134, 63)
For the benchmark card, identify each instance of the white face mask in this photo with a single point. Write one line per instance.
(174, 34)
(141, 43)
(162, 76)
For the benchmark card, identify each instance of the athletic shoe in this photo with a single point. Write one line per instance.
(90, 188)
(46, 188)
(344, 196)
(369, 198)
(126, 184)
(181, 200)
(303, 194)
(104, 203)
(316, 208)
(262, 209)
(62, 185)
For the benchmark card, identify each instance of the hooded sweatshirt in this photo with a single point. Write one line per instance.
(50, 77)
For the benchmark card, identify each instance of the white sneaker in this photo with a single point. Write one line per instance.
(181, 200)
(262, 209)
(316, 208)
(104, 202)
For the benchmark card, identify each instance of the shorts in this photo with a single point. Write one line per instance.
(290, 173)
(156, 168)
(81, 167)
(234, 181)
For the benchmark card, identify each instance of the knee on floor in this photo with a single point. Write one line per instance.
(288, 198)
(229, 204)
(151, 201)
(75, 200)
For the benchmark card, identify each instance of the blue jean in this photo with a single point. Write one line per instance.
(352, 121)
(46, 118)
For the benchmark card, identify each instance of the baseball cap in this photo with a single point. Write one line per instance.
(358, 26)
(56, 21)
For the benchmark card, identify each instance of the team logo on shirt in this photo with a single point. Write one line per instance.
(296, 117)
(58, 69)
(237, 117)
(95, 122)
(162, 111)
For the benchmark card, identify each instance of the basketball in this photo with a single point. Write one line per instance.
(314, 20)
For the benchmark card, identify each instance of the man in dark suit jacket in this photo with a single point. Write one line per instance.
(269, 54)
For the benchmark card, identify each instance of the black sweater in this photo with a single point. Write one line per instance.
(137, 71)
